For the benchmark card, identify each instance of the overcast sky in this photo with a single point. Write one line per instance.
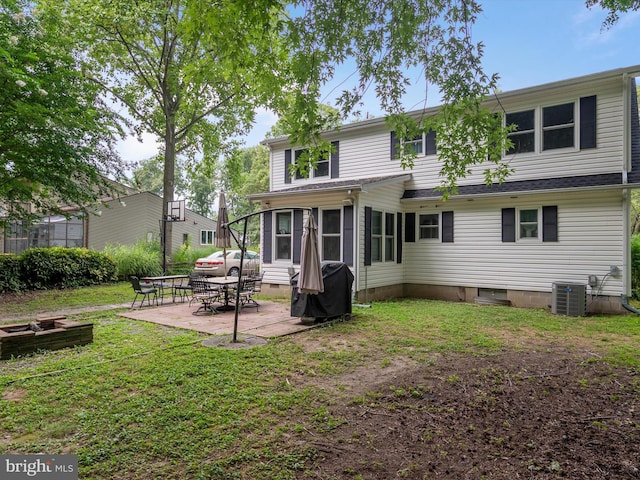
(527, 43)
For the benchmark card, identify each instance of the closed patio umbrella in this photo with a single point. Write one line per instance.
(310, 276)
(223, 235)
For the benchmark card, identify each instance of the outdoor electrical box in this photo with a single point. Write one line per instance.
(569, 299)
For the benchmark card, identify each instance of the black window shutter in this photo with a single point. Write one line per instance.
(508, 224)
(588, 122)
(268, 237)
(399, 238)
(297, 235)
(447, 227)
(394, 143)
(430, 148)
(410, 227)
(550, 224)
(367, 235)
(314, 212)
(335, 160)
(347, 235)
(287, 164)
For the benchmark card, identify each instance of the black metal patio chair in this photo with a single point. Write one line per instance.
(147, 291)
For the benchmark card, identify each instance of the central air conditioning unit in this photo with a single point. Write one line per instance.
(569, 299)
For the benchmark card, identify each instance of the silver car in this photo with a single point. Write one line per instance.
(214, 264)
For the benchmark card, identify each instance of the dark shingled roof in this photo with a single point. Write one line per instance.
(355, 183)
(524, 186)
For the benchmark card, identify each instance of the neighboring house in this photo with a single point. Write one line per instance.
(130, 218)
(561, 218)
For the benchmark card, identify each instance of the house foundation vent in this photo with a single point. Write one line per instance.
(569, 299)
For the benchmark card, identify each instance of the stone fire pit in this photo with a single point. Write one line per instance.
(51, 333)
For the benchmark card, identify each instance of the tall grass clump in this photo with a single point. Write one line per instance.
(143, 259)
(184, 259)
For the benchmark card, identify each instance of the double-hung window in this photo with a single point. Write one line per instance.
(376, 236)
(321, 169)
(331, 235)
(528, 223)
(423, 144)
(558, 126)
(283, 235)
(389, 237)
(429, 226)
(524, 135)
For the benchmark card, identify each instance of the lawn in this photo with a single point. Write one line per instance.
(145, 401)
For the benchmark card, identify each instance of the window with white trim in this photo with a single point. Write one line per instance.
(528, 223)
(330, 225)
(429, 226)
(558, 126)
(524, 135)
(376, 236)
(389, 237)
(283, 235)
(207, 237)
(321, 169)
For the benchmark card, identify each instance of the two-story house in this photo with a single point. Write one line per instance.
(559, 222)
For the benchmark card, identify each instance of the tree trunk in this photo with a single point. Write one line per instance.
(168, 184)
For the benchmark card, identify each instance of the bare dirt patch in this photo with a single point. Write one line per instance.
(541, 414)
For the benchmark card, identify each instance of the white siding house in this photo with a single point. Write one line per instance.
(562, 216)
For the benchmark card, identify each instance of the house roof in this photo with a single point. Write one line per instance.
(362, 184)
(379, 122)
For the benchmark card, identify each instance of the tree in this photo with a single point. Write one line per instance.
(245, 173)
(194, 72)
(614, 8)
(56, 136)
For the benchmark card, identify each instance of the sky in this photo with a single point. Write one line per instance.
(526, 42)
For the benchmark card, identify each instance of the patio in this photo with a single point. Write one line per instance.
(272, 319)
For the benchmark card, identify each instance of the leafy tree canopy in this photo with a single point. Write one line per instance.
(194, 72)
(56, 136)
(614, 8)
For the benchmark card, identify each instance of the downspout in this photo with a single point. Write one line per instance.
(624, 301)
(626, 193)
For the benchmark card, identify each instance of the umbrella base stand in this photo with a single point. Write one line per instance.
(307, 320)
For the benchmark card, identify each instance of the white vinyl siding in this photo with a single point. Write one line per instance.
(366, 152)
(590, 239)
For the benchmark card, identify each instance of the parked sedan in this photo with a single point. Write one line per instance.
(213, 265)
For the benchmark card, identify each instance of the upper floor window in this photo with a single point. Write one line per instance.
(554, 127)
(524, 136)
(321, 169)
(558, 126)
(283, 235)
(423, 143)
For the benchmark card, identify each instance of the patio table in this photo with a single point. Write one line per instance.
(165, 284)
(223, 283)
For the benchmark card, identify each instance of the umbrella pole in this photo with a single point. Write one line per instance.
(235, 319)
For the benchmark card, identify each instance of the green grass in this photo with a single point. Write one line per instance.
(145, 401)
(50, 300)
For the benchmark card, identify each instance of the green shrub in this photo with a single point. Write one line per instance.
(635, 265)
(143, 259)
(60, 267)
(183, 260)
(10, 280)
